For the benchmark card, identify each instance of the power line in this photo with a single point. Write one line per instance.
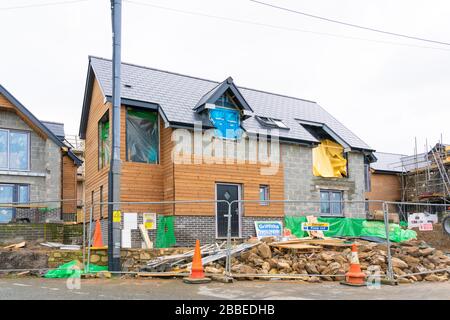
(36, 5)
(277, 26)
(348, 24)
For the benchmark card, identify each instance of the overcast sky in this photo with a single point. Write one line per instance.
(385, 93)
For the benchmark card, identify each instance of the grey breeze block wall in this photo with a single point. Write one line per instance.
(301, 184)
(44, 176)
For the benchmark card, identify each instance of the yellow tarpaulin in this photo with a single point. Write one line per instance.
(328, 160)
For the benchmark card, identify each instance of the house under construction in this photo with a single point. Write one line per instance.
(425, 177)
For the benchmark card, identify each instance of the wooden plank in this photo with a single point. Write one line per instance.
(299, 246)
(144, 234)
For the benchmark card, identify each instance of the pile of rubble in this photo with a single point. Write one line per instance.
(331, 262)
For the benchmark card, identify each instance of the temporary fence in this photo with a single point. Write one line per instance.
(226, 220)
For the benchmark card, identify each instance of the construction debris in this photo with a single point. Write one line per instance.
(61, 246)
(16, 245)
(312, 260)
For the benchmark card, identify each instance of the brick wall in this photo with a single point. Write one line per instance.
(188, 229)
(41, 232)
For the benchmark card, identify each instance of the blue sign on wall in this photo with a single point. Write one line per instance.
(268, 229)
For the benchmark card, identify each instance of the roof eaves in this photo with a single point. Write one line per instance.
(30, 116)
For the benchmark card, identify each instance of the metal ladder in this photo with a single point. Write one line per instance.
(442, 171)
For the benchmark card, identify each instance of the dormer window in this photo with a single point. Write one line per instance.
(272, 123)
(226, 118)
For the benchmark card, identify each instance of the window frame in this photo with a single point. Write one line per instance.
(266, 188)
(159, 135)
(100, 159)
(272, 122)
(16, 196)
(101, 202)
(330, 203)
(8, 150)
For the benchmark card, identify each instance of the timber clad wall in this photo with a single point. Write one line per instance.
(385, 187)
(69, 185)
(198, 182)
(167, 181)
(5, 102)
(95, 177)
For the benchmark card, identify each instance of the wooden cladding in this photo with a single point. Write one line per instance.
(69, 184)
(169, 181)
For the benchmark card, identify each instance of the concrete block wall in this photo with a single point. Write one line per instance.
(44, 176)
(301, 184)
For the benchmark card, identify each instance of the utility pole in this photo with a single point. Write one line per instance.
(114, 214)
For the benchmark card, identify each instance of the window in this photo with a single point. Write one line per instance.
(225, 101)
(101, 202)
(264, 194)
(271, 122)
(14, 150)
(12, 193)
(142, 136)
(331, 202)
(104, 143)
(227, 122)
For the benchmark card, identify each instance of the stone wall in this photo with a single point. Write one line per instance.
(131, 259)
(301, 184)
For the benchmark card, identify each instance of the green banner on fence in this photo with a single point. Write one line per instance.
(352, 227)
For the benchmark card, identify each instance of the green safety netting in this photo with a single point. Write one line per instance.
(73, 269)
(352, 227)
(165, 235)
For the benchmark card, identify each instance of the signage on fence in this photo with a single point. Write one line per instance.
(426, 227)
(416, 219)
(268, 229)
(117, 216)
(150, 221)
(315, 226)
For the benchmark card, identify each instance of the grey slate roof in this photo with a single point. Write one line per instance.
(388, 162)
(38, 123)
(55, 127)
(178, 94)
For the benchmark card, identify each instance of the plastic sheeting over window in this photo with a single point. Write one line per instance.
(226, 122)
(328, 160)
(142, 136)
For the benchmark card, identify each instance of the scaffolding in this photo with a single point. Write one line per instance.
(425, 177)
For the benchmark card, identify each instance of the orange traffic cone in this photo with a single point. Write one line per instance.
(97, 240)
(354, 277)
(197, 275)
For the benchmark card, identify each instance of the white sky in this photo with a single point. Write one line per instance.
(386, 94)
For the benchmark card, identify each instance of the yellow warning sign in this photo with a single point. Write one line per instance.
(117, 216)
(150, 221)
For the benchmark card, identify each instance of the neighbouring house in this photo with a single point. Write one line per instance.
(385, 181)
(187, 138)
(36, 166)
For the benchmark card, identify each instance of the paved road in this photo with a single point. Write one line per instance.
(36, 288)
